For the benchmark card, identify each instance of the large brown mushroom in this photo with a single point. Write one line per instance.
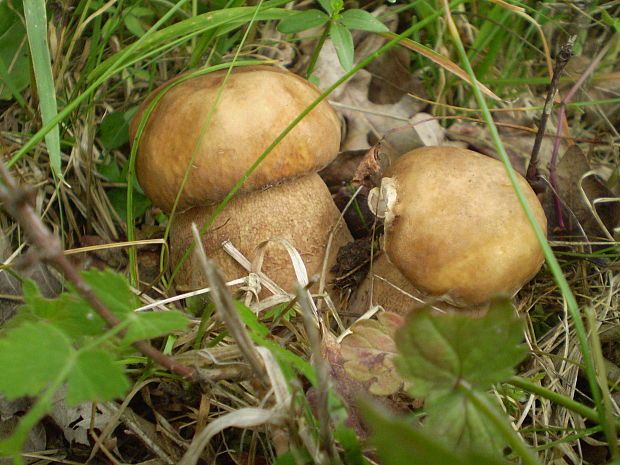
(454, 228)
(282, 198)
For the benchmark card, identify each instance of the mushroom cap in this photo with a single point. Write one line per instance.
(454, 226)
(257, 103)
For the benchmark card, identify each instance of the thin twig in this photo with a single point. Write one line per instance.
(562, 60)
(556, 144)
(16, 201)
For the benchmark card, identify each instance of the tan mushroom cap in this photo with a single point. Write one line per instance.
(456, 229)
(258, 102)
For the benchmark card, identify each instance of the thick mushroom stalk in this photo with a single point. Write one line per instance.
(454, 227)
(282, 198)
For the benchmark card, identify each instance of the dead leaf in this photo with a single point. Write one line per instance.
(75, 421)
(371, 168)
(581, 191)
(370, 351)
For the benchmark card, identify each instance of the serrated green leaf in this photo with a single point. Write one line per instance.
(112, 288)
(32, 356)
(151, 324)
(462, 427)
(398, 442)
(343, 43)
(68, 312)
(302, 21)
(362, 20)
(439, 350)
(95, 377)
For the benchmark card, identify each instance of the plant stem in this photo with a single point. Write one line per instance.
(317, 49)
(559, 399)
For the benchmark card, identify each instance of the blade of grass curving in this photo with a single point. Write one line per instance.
(187, 29)
(556, 270)
(395, 41)
(36, 28)
(559, 399)
(217, 28)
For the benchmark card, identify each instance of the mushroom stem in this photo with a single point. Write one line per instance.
(300, 211)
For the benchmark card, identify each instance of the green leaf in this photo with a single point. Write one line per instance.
(112, 288)
(134, 25)
(343, 42)
(36, 26)
(118, 199)
(151, 324)
(32, 356)
(114, 130)
(95, 377)
(462, 427)
(68, 312)
(398, 442)
(302, 21)
(14, 55)
(327, 6)
(360, 19)
(438, 351)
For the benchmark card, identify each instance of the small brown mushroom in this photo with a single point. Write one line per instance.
(454, 226)
(282, 198)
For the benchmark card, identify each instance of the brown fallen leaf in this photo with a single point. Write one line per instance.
(581, 192)
(371, 168)
(370, 351)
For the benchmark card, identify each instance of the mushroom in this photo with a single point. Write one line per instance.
(282, 198)
(454, 228)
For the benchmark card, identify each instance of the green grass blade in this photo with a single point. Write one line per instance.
(190, 28)
(66, 111)
(36, 28)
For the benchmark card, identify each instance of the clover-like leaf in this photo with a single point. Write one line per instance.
(112, 288)
(369, 353)
(67, 312)
(440, 350)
